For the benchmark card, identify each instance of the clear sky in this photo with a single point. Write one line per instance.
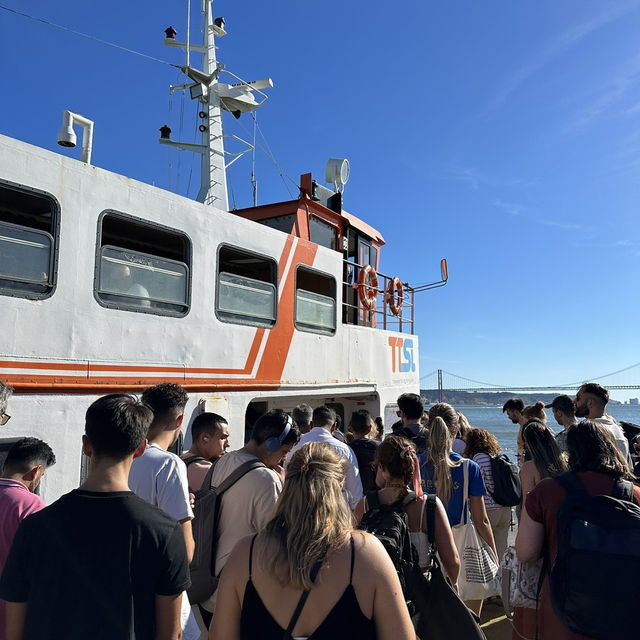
(501, 135)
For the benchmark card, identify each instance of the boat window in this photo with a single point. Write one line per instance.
(322, 233)
(247, 292)
(142, 267)
(281, 223)
(315, 301)
(373, 257)
(28, 232)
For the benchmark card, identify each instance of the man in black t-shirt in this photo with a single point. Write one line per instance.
(364, 447)
(100, 562)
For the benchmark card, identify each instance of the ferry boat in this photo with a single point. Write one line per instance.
(111, 285)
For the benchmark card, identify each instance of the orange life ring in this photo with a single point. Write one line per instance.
(368, 286)
(395, 295)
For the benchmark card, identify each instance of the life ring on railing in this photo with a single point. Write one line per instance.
(368, 286)
(395, 295)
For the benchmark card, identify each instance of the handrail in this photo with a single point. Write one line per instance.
(380, 316)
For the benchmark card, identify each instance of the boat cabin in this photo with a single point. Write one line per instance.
(317, 216)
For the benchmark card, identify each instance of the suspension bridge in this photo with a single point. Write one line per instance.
(627, 378)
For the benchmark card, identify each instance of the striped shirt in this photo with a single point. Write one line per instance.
(484, 462)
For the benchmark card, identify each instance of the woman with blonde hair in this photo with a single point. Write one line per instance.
(460, 439)
(309, 553)
(443, 474)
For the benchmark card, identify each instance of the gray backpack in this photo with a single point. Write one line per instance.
(206, 518)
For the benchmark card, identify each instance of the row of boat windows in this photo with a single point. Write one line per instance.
(146, 268)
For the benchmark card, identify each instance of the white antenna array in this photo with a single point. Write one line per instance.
(214, 96)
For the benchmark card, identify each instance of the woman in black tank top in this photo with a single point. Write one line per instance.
(308, 575)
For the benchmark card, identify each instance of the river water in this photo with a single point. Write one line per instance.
(493, 420)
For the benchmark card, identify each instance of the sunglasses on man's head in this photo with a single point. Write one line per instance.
(5, 418)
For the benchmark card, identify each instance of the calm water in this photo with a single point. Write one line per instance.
(492, 419)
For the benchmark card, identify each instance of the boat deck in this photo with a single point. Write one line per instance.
(494, 622)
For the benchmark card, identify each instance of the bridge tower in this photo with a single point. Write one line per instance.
(439, 385)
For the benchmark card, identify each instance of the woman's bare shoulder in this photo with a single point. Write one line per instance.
(528, 468)
(370, 550)
(240, 553)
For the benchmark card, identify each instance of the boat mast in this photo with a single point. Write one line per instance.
(213, 186)
(214, 97)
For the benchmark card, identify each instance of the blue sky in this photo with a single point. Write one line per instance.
(501, 135)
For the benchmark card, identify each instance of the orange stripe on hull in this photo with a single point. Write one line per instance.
(104, 388)
(268, 375)
(89, 367)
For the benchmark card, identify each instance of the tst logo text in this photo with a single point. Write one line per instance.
(402, 355)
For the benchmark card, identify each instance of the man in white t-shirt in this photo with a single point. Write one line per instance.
(590, 402)
(248, 505)
(160, 477)
(324, 424)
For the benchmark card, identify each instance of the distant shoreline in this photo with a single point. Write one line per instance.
(488, 399)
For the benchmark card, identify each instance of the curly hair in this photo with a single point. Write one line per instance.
(481, 441)
(167, 401)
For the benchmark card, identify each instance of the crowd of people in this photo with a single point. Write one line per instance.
(294, 553)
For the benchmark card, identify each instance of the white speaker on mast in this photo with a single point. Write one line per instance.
(336, 173)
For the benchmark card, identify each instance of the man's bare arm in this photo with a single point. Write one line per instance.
(188, 537)
(168, 617)
(16, 614)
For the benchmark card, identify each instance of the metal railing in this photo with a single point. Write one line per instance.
(379, 316)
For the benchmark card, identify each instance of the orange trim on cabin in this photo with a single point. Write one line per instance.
(279, 340)
(282, 263)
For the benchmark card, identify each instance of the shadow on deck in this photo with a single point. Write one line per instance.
(494, 623)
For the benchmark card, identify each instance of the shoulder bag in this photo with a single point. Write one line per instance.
(518, 582)
(443, 615)
(478, 563)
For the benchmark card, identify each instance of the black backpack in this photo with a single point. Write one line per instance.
(190, 460)
(507, 490)
(420, 439)
(389, 524)
(206, 517)
(594, 577)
